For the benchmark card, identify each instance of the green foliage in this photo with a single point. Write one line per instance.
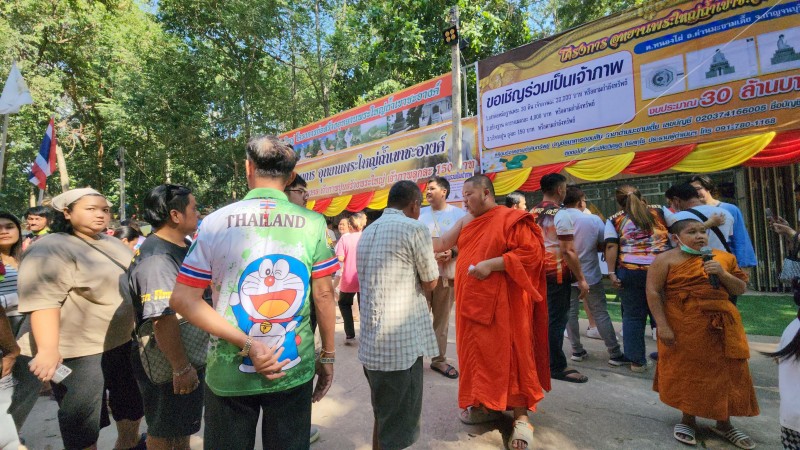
(181, 85)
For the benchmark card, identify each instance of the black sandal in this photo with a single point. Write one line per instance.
(564, 376)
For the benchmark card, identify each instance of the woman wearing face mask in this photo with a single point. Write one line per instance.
(702, 367)
(72, 283)
(634, 236)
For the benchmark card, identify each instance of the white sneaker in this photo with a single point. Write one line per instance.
(592, 333)
(314, 434)
(654, 334)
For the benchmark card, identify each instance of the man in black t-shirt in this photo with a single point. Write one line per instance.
(173, 410)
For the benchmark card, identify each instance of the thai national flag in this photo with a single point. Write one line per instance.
(45, 163)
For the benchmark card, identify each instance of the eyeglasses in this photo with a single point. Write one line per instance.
(302, 191)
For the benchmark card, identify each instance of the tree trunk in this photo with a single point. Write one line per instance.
(101, 150)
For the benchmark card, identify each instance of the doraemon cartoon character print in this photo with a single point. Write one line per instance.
(271, 294)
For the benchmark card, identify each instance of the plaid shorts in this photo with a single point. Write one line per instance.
(790, 439)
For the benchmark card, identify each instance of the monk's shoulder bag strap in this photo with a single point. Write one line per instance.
(716, 230)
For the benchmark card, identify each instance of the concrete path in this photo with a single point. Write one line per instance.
(616, 409)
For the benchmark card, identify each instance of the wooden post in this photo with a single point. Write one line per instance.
(3, 148)
(455, 148)
(62, 169)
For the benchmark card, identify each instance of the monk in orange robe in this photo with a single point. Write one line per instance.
(702, 347)
(501, 315)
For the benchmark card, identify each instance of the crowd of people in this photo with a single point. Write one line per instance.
(224, 319)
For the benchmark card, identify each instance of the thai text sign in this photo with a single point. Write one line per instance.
(377, 165)
(690, 72)
(419, 106)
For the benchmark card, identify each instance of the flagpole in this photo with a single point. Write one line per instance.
(41, 197)
(3, 148)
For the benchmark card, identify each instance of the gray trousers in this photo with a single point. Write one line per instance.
(596, 303)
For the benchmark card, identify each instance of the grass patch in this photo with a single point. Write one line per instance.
(765, 315)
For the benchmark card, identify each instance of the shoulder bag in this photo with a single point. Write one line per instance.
(156, 365)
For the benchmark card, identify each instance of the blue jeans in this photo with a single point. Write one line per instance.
(558, 312)
(634, 300)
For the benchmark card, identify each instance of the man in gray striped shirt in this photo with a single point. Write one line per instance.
(396, 267)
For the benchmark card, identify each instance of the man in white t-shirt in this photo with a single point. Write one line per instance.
(687, 199)
(587, 236)
(440, 217)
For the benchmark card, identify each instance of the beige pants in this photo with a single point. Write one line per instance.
(440, 302)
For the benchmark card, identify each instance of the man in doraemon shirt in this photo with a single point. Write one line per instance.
(263, 256)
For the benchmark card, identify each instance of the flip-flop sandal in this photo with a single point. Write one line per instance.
(735, 436)
(450, 372)
(564, 376)
(474, 416)
(688, 437)
(523, 431)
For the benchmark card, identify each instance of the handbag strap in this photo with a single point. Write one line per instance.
(124, 269)
(716, 230)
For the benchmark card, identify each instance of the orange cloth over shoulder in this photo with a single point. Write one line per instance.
(705, 373)
(501, 322)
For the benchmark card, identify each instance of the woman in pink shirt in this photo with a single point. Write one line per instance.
(348, 284)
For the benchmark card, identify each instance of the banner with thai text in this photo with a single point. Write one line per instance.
(644, 79)
(422, 105)
(414, 155)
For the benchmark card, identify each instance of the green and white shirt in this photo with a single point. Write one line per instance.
(259, 256)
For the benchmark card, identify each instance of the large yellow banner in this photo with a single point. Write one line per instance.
(646, 79)
(413, 155)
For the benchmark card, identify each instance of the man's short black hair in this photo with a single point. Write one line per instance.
(402, 194)
(298, 181)
(161, 200)
(514, 198)
(574, 196)
(41, 211)
(551, 181)
(684, 191)
(482, 181)
(271, 156)
(670, 193)
(442, 183)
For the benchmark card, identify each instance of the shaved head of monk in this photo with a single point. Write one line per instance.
(479, 195)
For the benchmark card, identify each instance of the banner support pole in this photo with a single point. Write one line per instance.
(455, 148)
(3, 149)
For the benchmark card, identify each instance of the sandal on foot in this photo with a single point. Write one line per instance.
(523, 431)
(475, 415)
(449, 371)
(684, 433)
(565, 376)
(736, 437)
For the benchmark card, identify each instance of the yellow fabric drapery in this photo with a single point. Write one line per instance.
(510, 180)
(338, 205)
(379, 199)
(599, 169)
(310, 204)
(721, 155)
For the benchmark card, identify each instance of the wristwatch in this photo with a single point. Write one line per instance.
(246, 349)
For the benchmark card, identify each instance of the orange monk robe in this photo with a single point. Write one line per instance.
(705, 373)
(501, 322)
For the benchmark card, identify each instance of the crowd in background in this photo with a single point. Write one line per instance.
(77, 295)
